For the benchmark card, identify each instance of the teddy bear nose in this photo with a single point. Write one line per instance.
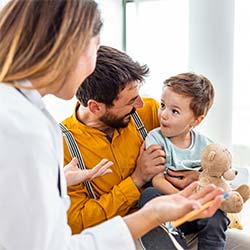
(236, 172)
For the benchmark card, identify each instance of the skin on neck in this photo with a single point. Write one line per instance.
(58, 89)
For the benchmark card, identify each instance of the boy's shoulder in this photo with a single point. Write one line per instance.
(199, 138)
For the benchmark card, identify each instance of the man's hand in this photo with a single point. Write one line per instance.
(181, 179)
(149, 163)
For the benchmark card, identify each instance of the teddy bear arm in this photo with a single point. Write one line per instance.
(233, 203)
(244, 191)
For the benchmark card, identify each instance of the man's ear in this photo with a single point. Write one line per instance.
(198, 120)
(95, 107)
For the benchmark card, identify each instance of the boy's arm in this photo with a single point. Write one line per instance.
(163, 185)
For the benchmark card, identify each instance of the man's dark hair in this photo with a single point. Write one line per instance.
(114, 71)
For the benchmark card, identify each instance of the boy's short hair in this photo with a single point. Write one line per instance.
(196, 86)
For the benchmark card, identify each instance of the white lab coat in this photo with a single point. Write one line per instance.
(32, 210)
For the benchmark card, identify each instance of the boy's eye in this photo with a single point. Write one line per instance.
(175, 111)
(162, 106)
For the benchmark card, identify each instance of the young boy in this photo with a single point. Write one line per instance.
(185, 101)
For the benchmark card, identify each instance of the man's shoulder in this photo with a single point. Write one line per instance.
(150, 106)
(68, 122)
(71, 121)
(149, 113)
(149, 101)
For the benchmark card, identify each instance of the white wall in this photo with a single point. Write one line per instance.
(157, 42)
(211, 53)
(112, 15)
(3, 2)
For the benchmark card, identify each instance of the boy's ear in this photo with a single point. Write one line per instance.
(95, 107)
(198, 120)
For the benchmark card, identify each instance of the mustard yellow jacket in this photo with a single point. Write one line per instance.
(116, 192)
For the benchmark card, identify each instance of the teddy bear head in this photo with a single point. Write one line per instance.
(216, 161)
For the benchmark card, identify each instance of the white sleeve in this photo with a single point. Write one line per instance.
(112, 234)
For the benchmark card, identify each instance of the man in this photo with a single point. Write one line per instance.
(103, 128)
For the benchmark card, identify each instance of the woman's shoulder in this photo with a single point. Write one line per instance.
(19, 117)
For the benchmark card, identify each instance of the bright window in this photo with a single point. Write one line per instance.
(157, 34)
(241, 87)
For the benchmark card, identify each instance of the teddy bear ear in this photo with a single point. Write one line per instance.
(211, 155)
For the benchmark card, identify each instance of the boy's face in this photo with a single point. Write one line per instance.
(175, 116)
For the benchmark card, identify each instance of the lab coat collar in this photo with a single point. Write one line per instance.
(31, 94)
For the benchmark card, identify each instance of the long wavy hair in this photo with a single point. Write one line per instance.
(44, 38)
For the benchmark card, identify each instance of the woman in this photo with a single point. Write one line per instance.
(49, 47)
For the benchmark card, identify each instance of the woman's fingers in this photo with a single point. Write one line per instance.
(71, 165)
(74, 161)
(210, 210)
(206, 194)
(190, 189)
(210, 195)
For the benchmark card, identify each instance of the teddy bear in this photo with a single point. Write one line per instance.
(216, 168)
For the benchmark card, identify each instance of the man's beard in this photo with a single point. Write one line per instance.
(114, 122)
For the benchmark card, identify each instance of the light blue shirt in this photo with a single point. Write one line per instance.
(180, 158)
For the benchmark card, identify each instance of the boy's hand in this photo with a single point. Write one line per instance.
(181, 179)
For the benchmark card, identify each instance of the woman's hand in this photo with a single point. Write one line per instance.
(75, 175)
(168, 208)
(172, 207)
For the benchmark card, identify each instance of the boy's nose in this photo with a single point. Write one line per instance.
(164, 114)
